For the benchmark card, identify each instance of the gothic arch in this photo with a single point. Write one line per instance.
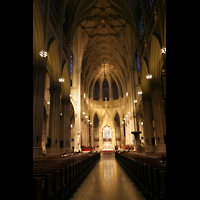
(145, 84)
(65, 87)
(38, 35)
(74, 105)
(156, 61)
(53, 63)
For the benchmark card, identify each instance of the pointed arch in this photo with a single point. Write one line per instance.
(105, 89)
(53, 63)
(117, 119)
(65, 87)
(38, 35)
(156, 61)
(144, 82)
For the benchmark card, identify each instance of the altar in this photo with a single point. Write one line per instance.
(107, 147)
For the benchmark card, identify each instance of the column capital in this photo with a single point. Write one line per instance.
(131, 68)
(65, 100)
(39, 69)
(156, 85)
(78, 70)
(55, 89)
(70, 42)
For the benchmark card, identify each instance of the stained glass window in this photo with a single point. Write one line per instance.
(95, 91)
(150, 1)
(115, 90)
(138, 66)
(71, 64)
(105, 90)
(142, 25)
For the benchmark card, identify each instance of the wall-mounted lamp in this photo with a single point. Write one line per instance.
(61, 80)
(163, 50)
(43, 53)
(148, 76)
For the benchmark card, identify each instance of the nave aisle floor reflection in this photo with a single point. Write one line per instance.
(107, 181)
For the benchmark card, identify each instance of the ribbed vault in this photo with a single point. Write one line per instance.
(106, 32)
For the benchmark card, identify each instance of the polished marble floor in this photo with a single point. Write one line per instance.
(107, 181)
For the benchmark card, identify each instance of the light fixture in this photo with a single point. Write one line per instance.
(149, 76)
(86, 116)
(83, 113)
(141, 123)
(140, 92)
(71, 95)
(70, 125)
(124, 118)
(60, 113)
(127, 94)
(48, 102)
(122, 122)
(90, 122)
(61, 80)
(135, 101)
(43, 53)
(84, 95)
(163, 50)
(128, 113)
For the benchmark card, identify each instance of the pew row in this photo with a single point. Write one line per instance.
(148, 174)
(58, 179)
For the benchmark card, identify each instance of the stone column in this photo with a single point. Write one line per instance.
(39, 74)
(148, 123)
(78, 118)
(65, 125)
(159, 117)
(91, 135)
(122, 135)
(54, 122)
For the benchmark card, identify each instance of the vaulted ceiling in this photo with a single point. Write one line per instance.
(105, 32)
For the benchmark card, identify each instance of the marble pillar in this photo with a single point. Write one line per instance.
(39, 74)
(65, 125)
(54, 122)
(159, 117)
(148, 123)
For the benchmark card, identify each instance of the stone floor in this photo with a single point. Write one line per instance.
(107, 181)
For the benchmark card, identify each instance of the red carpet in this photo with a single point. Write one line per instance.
(86, 150)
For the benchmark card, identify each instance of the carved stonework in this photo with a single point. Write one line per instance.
(107, 121)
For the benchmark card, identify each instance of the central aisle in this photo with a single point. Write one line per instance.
(107, 181)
